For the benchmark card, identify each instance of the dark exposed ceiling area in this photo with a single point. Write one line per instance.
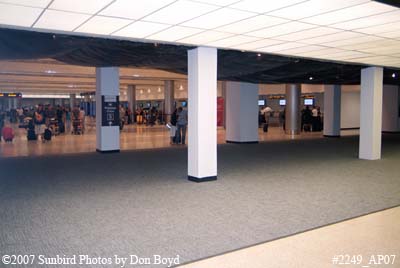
(232, 65)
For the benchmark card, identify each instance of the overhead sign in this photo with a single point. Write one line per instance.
(110, 110)
(11, 95)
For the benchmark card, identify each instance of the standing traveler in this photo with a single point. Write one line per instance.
(39, 120)
(182, 125)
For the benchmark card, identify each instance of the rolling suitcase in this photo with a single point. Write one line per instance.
(47, 135)
(31, 135)
(265, 127)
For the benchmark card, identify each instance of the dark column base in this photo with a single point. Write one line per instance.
(242, 142)
(391, 132)
(107, 152)
(332, 136)
(195, 179)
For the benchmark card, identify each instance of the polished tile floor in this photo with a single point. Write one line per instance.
(132, 137)
(368, 241)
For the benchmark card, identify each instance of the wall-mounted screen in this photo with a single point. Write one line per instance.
(282, 102)
(261, 102)
(308, 101)
(184, 103)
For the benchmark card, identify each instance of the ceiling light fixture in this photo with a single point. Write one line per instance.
(259, 55)
(135, 75)
(141, 91)
(148, 90)
(50, 72)
(394, 75)
(311, 78)
(181, 87)
(159, 89)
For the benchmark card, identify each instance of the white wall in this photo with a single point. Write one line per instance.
(350, 107)
(390, 111)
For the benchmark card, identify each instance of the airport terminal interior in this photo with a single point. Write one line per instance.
(200, 133)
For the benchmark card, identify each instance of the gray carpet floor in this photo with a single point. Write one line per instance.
(140, 202)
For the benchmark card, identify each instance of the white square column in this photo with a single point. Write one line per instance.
(202, 108)
(107, 109)
(241, 112)
(371, 113)
(332, 99)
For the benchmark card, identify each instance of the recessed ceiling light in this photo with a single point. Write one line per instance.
(311, 78)
(50, 72)
(148, 90)
(259, 55)
(393, 75)
(135, 75)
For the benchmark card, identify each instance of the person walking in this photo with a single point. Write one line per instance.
(181, 125)
(39, 120)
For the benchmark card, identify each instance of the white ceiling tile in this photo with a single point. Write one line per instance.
(141, 29)
(299, 50)
(384, 28)
(134, 9)
(332, 37)
(322, 52)
(264, 6)
(180, 11)
(232, 41)
(349, 54)
(310, 33)
(217, 2)
(18, 15)
(205, 37)
(251, 24)
(281, 29)
(86, 6)
(103, 25)
(372, 44)
(313, 7)
(60, 20)
(280, 47)
(28, 3)
(387, 50)
(350, 13)
(354, 41)
(386, 17)
(394, 34)
(218, 18)
(175, 33)
(257, 44)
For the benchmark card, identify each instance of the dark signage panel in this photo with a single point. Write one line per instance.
(110, 111)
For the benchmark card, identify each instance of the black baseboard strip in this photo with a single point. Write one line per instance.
(332, 136)
(205, 179)
(107, 152)
(242, 142)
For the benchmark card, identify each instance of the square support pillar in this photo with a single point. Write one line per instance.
(202, 107)
(107, 110)
(332, 99)
(242, 112)
(169, 99)
(371, 113)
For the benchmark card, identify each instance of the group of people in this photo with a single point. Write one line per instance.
(178, 126)
(311, 119)
(40, 121)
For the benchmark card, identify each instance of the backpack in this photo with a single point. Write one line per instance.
(47, 134)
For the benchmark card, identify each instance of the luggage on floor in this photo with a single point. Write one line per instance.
(307, 127)
(31, 135)
(47, 134)
(265, 127)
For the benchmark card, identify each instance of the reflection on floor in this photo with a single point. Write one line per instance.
(369, 241)
(132, 137)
